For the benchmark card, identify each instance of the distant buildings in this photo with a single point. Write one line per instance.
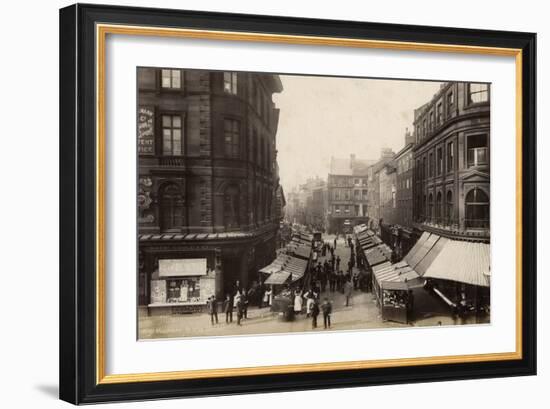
(308, 204)
(347, 193)
(209, 201)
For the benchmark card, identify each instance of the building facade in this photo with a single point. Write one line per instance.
(208, 181)
(451, 156)
(387, 177)
(373, 188)
(347, 192)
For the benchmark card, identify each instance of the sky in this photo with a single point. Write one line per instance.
(322, 117)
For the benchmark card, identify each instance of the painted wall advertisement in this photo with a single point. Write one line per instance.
(146, 135)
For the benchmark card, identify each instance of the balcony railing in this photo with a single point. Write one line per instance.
(476, 223)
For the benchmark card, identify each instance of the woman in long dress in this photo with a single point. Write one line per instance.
(298, 303)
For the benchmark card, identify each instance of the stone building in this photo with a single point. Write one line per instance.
(347, 193)
(373, 188)
(451, 157)
(208, 182)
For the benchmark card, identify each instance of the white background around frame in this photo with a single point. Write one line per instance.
(29, 343)
(125, 355)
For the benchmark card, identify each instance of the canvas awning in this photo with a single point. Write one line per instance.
(277, 278)
(462, 261)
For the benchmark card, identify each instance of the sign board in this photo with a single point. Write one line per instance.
(146, 135)
(208, 287)
(158, 291)
(182, 267)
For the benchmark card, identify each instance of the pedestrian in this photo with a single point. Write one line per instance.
(335, 240)
(349, 242)
(267, 296)
(298, 303)
(314, 314)
(240, 309)
(326, 307)
(244, 300)
(348, 291)
(212, 309)
(309, 303)
(228, 309)
(338, 263)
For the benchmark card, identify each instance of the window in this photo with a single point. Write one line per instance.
(439, 161)
(393, 197)
(478, 93)
(478, 153)
(431, 120)
(357, 194)
(430, 207)
(477, 209)
(449, 212)
(346, 208)
(440, 113)
(336, 208)
(171, 208)
(231, 207)
(450, 156)
(230, 82)
(424, 128)
(232, 131)
(438, 207)
(171, 79)
(431, 159)
(450, 102)
(172, 135)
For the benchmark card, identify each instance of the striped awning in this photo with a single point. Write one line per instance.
(277, 278)
(462, 261)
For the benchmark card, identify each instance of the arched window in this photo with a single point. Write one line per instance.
(477, 209)
(231, 207)
(450, 208)
(430, 207)
(171, 208)
(438, 207)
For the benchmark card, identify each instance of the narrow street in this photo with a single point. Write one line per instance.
(363, 313)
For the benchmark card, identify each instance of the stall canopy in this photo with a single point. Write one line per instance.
(278, 278)
(295, 267)
(462, 261)
(388, 275)
(378, 255)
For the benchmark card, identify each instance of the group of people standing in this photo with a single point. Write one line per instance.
(313, 307)
(237, 302)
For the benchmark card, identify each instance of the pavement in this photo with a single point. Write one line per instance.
(361, 314)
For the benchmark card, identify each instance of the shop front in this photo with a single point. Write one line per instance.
(181, 286)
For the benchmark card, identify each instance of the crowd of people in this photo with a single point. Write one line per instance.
(329, 276)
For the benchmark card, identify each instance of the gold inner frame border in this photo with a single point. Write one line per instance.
(102, 30)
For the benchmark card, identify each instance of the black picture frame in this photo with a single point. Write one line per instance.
(78, 360)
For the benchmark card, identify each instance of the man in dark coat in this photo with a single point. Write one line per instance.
(326, 307)
(314, 314)
(213, 309)
(228, 309)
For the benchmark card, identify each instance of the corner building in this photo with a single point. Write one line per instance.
(451, 189)
(208, 182)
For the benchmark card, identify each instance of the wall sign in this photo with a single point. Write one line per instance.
(146, 135)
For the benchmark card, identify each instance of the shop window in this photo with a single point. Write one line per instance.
(172, 135)
(478, 153)
(230, 82)
(232, 131)
(183, 290)
(478, 93)
(231, 207)
(477, 209)
(171, 79)
(171, 208)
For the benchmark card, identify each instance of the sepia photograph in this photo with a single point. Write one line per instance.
(273, 203)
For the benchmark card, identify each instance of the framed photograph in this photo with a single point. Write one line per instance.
(257, 203)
